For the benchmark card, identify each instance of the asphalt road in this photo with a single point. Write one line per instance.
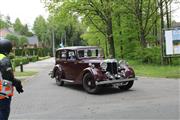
(150, 98)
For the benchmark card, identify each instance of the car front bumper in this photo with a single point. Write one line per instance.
(115, 81)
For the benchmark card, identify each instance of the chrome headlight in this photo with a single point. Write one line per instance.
(91, 65)
(103, 66)
(122, 63)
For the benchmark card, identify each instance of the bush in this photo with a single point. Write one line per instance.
(149, 55)
(23, 60)
(19, 60)
(33, 58)
(41, 52)
(175, 61)
(11, 56)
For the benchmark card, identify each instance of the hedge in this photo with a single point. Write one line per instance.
(41, 52)
(150, 56)
(23, 60)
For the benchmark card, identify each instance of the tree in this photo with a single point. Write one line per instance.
(22, 41)
(66, 27)
(21, 29)
(4, 21)
(8, 20)
(3, 24)
(24, 30)
(40, 29)
(12, 38)
(129, 27)
(92, 10)
(18, 26)
(144, 12)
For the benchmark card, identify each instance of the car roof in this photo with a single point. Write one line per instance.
(77, 47)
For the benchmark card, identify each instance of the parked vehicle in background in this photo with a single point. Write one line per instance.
(86, 65)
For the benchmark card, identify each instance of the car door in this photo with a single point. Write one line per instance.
(62, 60)
(71, 65)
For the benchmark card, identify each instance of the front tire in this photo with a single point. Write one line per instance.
(59, 82)
(89, 84)
(127, 86)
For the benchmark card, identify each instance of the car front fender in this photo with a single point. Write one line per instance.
(129, 73)
(95, 72)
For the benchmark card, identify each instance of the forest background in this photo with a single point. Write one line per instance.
(124, 29)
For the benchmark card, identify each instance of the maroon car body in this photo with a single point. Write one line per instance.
(86, 65)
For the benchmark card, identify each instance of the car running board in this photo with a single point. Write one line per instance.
(65, 80)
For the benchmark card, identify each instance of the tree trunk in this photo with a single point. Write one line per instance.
(142, 38)
(167, 14)
(162, 26)
(139, 14)
(156, 26)
(110, 39)
(120, 39)
(106, 48)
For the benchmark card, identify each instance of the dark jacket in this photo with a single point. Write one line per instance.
(7, 73)
(6, 69)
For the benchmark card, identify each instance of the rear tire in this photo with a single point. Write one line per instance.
(128, 86)
(59, 82)
(89, 84)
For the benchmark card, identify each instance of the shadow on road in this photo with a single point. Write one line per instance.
(103, 90)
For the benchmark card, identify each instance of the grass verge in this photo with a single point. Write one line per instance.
(149, 70)
(43, 58)
(25, 73)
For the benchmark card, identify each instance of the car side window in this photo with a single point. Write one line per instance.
(89, 53)
(63, 54)
(81, 53)
(58, 54)
(71, 55)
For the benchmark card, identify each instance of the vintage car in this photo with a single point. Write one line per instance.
(86, 65)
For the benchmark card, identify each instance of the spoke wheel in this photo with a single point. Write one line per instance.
(89, 84)
(59, 82)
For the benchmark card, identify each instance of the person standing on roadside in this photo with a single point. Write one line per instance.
(7, 80)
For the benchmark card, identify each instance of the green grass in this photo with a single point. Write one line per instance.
(155, 70)
(43, 58)
(25, 73)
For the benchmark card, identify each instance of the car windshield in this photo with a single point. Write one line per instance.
(90, 53)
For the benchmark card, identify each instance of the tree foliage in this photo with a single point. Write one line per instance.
(66, 27)
(40, 29)
(97, 14)
(22, 41)
(124, 28)
(3, 24)
(13, 38)
(18, 25)
(4, 21)
(17, 41)
(21, 29)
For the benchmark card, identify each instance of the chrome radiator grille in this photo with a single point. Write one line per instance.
(112, 67)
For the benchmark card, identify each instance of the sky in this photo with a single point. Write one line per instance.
(28, 10)
(176, 12)
(25, 10)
